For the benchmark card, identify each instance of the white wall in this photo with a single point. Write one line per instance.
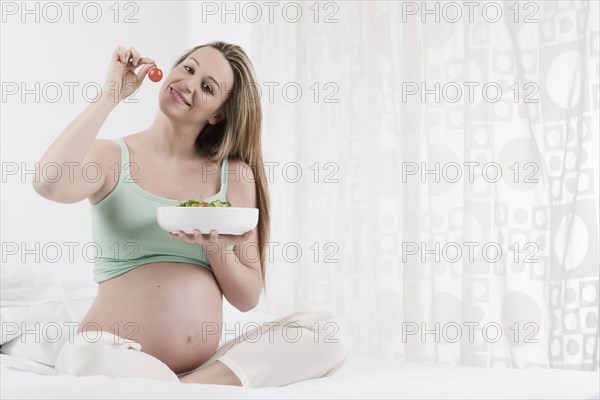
(204, 24)
(78, 51)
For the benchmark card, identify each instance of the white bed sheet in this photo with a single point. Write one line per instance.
(360, 377)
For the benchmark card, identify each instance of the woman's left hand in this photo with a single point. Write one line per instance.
(212, 238)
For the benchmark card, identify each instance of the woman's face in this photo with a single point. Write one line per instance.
(196, 88)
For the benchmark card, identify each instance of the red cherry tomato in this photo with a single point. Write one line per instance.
(155, 74)
(205, 204)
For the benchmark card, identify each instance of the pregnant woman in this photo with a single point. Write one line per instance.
(158, 310)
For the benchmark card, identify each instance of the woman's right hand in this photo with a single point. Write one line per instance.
(122, 81)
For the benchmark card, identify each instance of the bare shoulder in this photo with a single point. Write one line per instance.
(241, 190)
(107, 154)
(105, 150)
(240, 167)
(240, 173)
(103, 153)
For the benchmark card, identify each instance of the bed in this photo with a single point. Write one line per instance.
(30, 295)
(360, 377)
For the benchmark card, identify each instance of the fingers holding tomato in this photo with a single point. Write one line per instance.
(122, 80)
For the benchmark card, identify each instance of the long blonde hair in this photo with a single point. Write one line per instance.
(237, 134)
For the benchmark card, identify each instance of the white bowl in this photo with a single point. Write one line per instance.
(225, 220)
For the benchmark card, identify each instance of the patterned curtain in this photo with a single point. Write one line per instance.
(447, 201)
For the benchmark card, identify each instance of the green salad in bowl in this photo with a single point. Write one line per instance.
(207, 215)
(201, 203)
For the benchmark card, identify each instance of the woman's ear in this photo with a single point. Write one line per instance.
(214, 119)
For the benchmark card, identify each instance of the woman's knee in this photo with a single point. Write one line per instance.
(336, 341)
(334, 332)
(77, 357)
(112, 356)
(342, 333)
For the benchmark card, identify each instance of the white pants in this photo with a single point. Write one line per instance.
(300, 346)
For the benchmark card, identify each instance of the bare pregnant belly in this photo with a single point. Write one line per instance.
(174, 310)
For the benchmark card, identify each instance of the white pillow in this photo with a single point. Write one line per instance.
(27, 285)
(38, 301)
(38, 332)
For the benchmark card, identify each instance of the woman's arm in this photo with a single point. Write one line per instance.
(238, 272)
(70, 152)
(76, 148)
(240, 282)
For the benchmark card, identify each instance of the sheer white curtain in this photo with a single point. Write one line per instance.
(356, 220)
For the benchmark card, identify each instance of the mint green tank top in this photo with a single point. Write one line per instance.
(126, 233)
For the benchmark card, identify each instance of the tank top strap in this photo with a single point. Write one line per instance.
(224, 178)
(124, 168)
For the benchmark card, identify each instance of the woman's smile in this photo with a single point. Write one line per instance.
(178, 97)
